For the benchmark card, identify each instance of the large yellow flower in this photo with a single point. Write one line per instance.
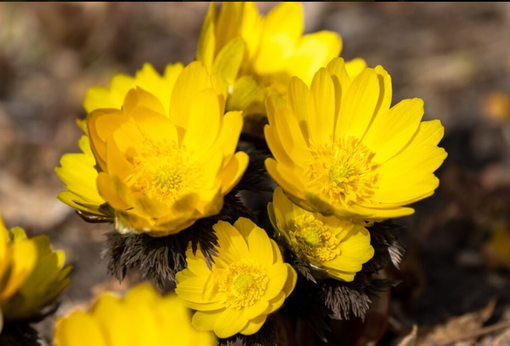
(248, 281)
(254, 55)
(31, 274)
(78, 171)
(161, 170)
(337, 247)
(341, 150)
(141, 318)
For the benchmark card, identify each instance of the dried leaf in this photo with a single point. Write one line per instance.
(409, 339)
(502, 339)
(456, 328)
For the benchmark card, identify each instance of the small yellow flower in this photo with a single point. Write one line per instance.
(255, 55)
(160, 168)
(141, 318)
(17, 261)
(31, 274)
(248, 281)
(337, 247)
(341, 150)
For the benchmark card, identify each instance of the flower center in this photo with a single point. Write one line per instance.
(243, 284)
(344, 170)
(314, 238)
(162, 171)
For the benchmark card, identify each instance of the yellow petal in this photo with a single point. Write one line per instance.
(291, 136)
(154, 125)
(322, 91)
(276, 302)
(300, 103)
(287, 209)
(278, 274)
(277, 254)
(245, 227)
(254, 325)
(314, 51)
(23, 257)
(207, 41)
(79, 329)
(79, 175)
(233, 172)
(260, 247)
(203, 124)
(229, 323)
(192, 79)
(193, 289)
(229, 59)
(205, 320)
(228, 23)
(283, 26)
(231, 242)
(107, 190)
(100, 124)
(358, 106)
(248, 94)
(354, 67)
(386, 90)
(139, 97)
(291, 280)
(231, 127)
(116, 161)
(391, 131)
(341, 80)
(276, 147)
(256, 309)
(284, 177)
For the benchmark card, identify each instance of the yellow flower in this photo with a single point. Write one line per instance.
(255, 55)
(141, 318)
(31, 274)
(248, 281)
(17, 261)
(160, 169)
(337, 247)
(341, 150)
(78, 171)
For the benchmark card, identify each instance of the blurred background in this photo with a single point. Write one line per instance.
(456, 57)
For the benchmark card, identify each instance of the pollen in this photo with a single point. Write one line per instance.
(163, 171)
(314, 238)
(344, 170)
(243, 284)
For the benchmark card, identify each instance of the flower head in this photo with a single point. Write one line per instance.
(31, 274)
(78, 171)
(341, 150)
(141, 318)
(248, 281)
(160, 168)
(336, 247)
(255, 54)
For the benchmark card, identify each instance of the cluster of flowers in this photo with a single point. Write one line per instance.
(159, 154)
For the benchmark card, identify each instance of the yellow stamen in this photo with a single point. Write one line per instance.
(162, 171)
(344, 170)
(314, 238)
(243, 284)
